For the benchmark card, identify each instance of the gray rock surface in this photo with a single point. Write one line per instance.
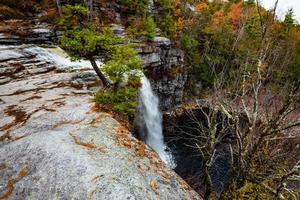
(165, 66)
(26, 31)
(56, 144)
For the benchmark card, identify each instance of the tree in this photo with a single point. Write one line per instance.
(257, 124)
(289, 19)
(257, 136)
(58, 5)
(250, 2)
(144, 27)
(82, 40)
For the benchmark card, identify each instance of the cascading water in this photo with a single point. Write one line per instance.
(58, 56)
(150, 120)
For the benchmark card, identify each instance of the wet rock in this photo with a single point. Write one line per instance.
(16, 62)
(4, 79)
(8, 54)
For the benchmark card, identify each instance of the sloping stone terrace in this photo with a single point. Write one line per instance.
(55, 144)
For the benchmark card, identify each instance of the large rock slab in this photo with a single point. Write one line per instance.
(56, 144)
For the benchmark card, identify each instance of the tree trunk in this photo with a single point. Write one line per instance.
(208, 183)
(104, 80)
(58, 4)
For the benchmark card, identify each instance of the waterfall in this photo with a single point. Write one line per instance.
(150, 121)
(57, 56)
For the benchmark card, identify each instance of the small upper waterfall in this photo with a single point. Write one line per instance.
(150, 119)
(58, 56)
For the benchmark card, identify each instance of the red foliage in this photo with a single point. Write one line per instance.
(50, 15)
(235, 14)
(217, 20)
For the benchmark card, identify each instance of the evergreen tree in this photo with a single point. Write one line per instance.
(289, 19)
(81, 39)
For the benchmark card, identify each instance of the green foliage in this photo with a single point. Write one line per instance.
(165, 5)
(293, 69)
(123, 60)
(87, 42)
(146, 28)
(73, 16)
(81, 38)
(250, 2)
(168, 26)
(204, 73)
(122, 101)
(289, 19)
(150, 28)
(166, 19)
(189, 43)
(135, 7)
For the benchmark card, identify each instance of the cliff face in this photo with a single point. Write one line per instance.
(55, 144)
(164, 65)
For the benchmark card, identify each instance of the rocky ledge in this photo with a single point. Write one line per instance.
(26, 31)
(165, 67)
(56, 144)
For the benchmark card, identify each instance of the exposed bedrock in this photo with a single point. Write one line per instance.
(56, 144)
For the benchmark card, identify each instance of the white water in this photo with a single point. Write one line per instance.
(151, 122)
(58, 56)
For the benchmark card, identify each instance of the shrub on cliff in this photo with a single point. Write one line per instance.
(135, 7)
(123, 60)
(122, 101)
(143, 28)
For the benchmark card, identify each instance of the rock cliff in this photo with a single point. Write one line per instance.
(165, 67)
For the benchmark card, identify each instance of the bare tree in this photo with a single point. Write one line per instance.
(254, 125)
(58, 5)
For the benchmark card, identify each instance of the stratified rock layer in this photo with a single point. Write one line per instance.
(166, 70)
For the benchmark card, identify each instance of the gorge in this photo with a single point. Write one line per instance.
(148, 99)
(48, 124)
